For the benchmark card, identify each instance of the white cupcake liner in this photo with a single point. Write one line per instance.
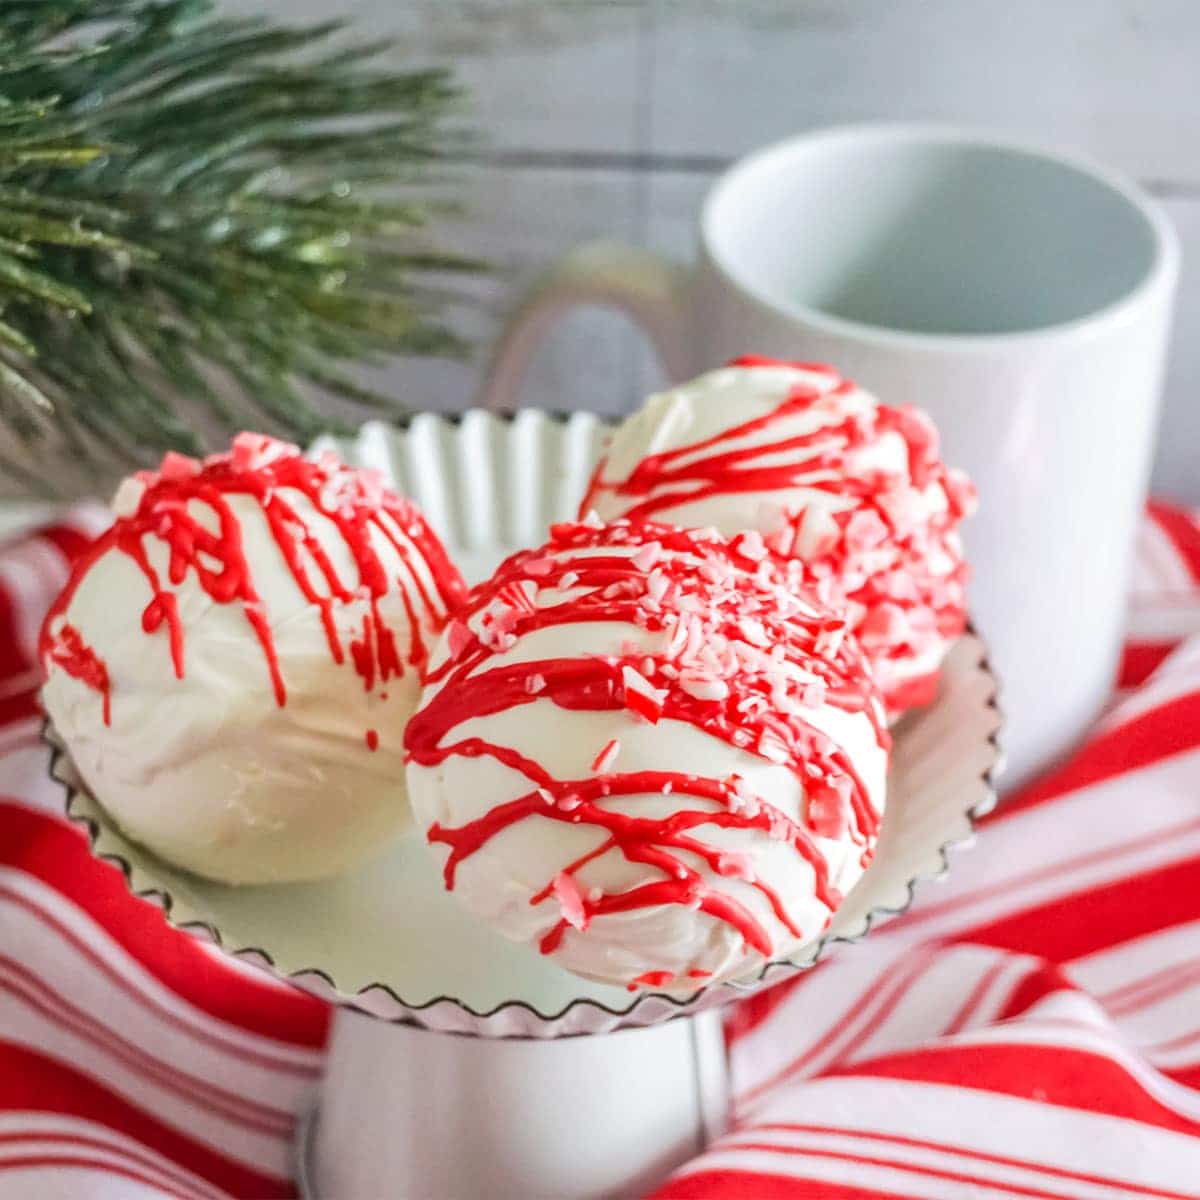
(387, 939)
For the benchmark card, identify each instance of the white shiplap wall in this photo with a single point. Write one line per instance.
(611, 119)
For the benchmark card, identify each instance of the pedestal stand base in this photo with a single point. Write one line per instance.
(407, 1113)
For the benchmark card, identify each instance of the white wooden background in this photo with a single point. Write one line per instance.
(611, 119)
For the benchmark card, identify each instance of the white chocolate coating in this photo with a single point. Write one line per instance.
(506, 679)
(206, 767)
(850, 490)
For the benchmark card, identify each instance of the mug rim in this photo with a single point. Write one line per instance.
(1162, 271)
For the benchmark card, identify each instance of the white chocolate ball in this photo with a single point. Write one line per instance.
(849, 490)
(232, 664)
(642, 754)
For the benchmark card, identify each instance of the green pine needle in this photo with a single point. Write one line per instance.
(205, 215)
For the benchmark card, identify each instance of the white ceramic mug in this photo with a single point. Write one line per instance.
(1022, 297)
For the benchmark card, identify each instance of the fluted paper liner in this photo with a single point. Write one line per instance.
(387, 939)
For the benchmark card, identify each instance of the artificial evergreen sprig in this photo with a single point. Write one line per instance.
(190, 221)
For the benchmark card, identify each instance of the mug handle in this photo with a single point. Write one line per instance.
(648, 288)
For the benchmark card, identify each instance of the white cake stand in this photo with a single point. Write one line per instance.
(461, 1065)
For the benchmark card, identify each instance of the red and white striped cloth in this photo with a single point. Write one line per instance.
(1031, 1028)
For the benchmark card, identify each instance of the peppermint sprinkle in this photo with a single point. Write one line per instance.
(606, 757)
(829, 640)
(178, 466)
(752, 630)
(703, 689)
(641, 696)
(735, 866)
(519, 596)
(570, 900)
(647, 556)
(751, 545)
(458, 638)
(772, 747)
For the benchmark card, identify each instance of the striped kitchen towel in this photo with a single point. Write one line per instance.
(1030, 1028)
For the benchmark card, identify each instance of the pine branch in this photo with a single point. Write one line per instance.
(201, 213)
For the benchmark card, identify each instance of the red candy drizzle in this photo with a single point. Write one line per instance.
(877, 554)
(742, 656)
(69, 651)
(266, 471)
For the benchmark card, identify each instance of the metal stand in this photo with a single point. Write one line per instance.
(406, 1113)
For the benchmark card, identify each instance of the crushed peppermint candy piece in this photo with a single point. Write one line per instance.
(733, 865)
(754, 632)
(830, 640)
(570, 900)
(129, 495)
(253, 451)
(885, 624)
(175, 467)
(700, 688)
(519, 596)
(865, 530)
(607, 756)
(829, 811)
(497, 639)
(459, 639)
(750, 545)
(657, 584)
(647, 555)
(641, 696)
(772, 747)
